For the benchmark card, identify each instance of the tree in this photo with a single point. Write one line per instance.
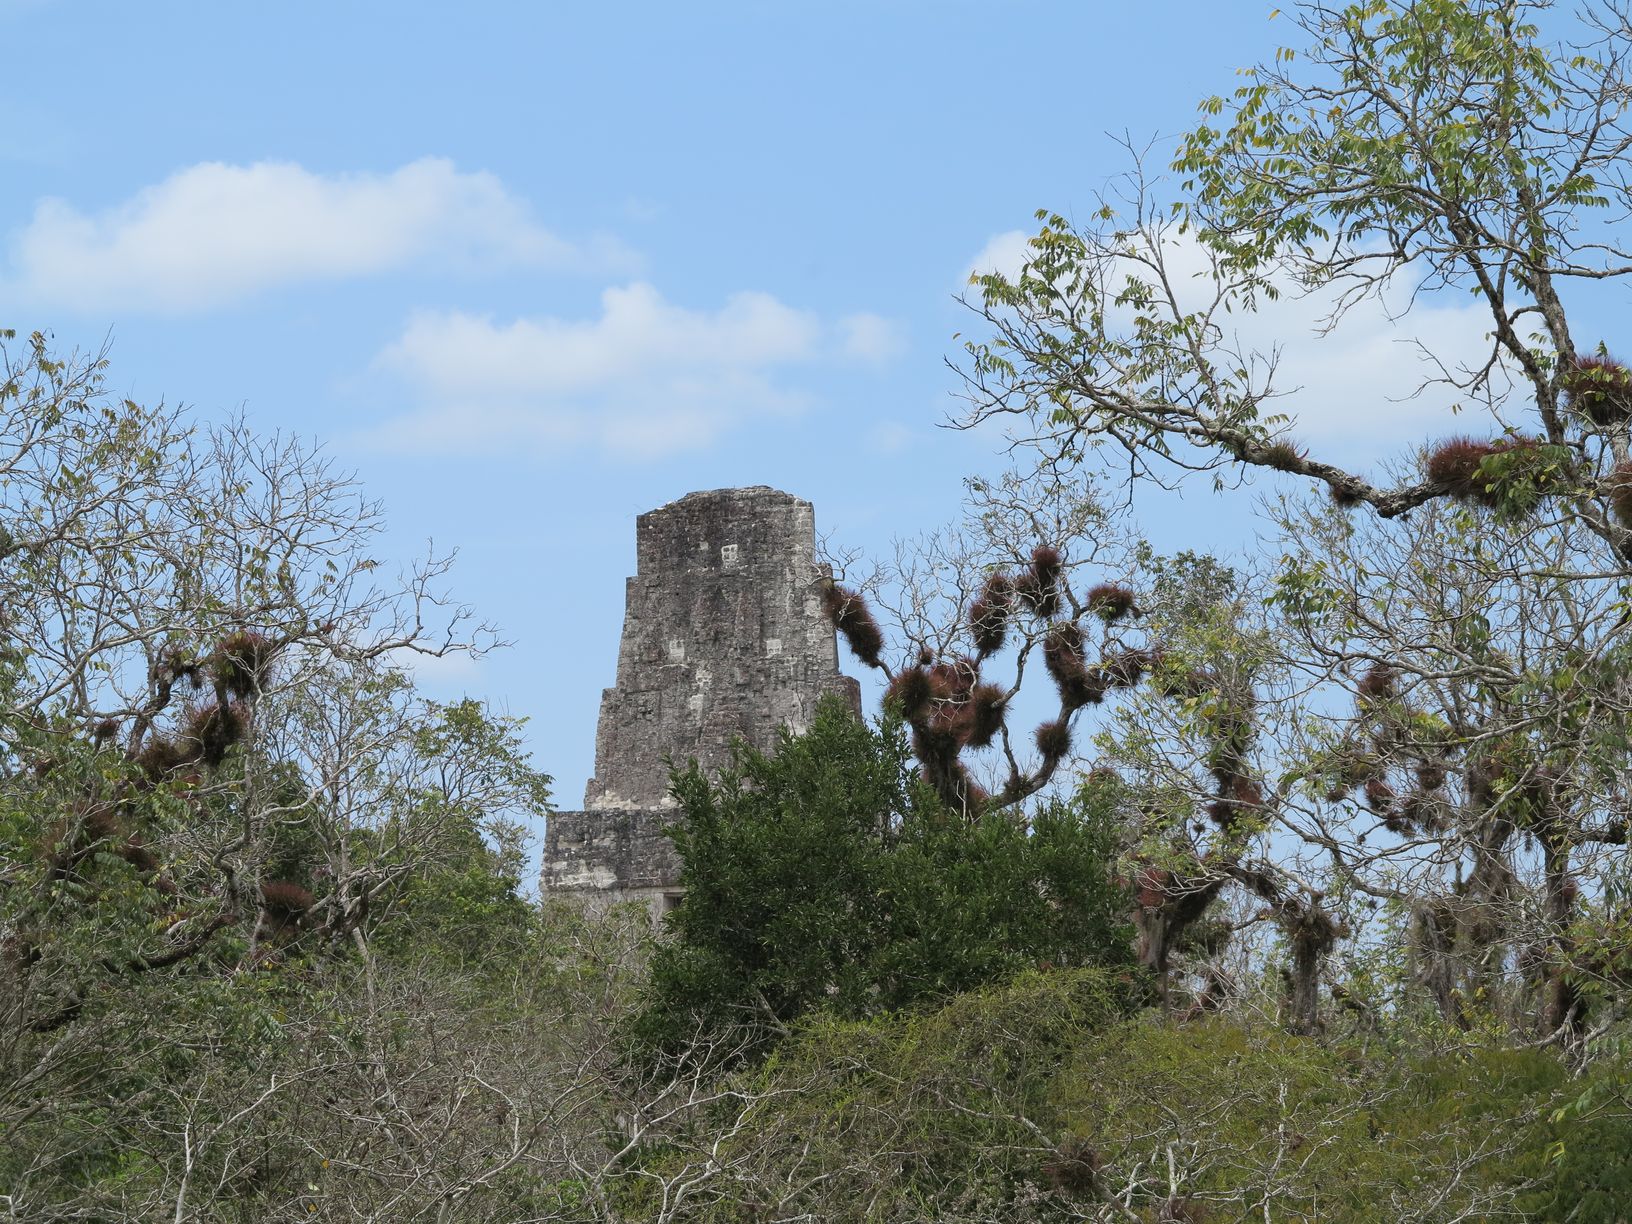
(1408, 149)
(1038, 1100)
(212, 775)
(1478, 786)
(1179, 647)
(971, 605)
(829, 877)
(1441, 143)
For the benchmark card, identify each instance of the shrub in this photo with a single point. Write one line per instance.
(928, 1115)
(828, 877)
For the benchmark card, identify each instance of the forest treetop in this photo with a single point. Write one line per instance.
(1437, 145)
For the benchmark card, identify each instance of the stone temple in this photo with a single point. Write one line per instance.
(723, 639)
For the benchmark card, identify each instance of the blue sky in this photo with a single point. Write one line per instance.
(534, 269)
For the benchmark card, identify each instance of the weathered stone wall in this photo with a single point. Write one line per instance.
(612, 856)
(723, 638)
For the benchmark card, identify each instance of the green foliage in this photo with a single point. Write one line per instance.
(457, 905)
(1262, 1121)
(1480, 82)
(1034, 1100)
(457, 902)
(1516, 477)
(1583, 1174)
(942, 1114)
(198, 940)
(828, 877)
(1304, 596)
(1187, 586)
(1307, 1130)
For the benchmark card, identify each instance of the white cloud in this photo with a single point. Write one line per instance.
(443, 678)
(215, 233)
(644, 378)
(443, 675)
(1366, 386)
(1362, 385)
(1003, 253)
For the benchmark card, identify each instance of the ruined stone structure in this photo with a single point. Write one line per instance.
(723, 638)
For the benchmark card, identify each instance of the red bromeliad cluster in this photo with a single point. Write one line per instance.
(1400, 765)
(1510, 475)
(1382, 733)
(93, 826)
(1112, 602)
(284, 907)
(241, 660)
(949, 709)
(1618, 489)
(237, 670)
(851, 617)
(1596, 386)
(1285, 455)
(1599, 388)
(1454, 465)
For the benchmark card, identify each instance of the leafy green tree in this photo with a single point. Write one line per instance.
(828, 876)
(463, 900)
(942, 1113)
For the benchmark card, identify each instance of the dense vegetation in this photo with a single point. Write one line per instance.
(827, 877)
(1162, 888)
